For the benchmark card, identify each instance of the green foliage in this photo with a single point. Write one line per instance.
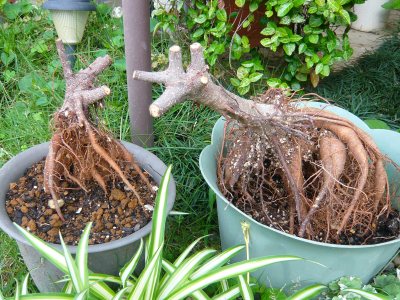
(352, 288)
(160, 279)
(299, 36)
(392, 4)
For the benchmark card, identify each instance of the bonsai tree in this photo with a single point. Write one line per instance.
(324, 170)
(79, 151)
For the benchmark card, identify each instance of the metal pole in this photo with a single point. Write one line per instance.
(136, 14)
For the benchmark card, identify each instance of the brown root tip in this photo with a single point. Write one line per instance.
(175, 48)
(154, 111)
(106, 90)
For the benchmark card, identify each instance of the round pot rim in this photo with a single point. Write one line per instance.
(135, 236)
(209, 151)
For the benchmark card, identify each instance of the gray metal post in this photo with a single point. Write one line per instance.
(136, 14)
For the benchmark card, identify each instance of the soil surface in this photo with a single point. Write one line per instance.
(114, 215)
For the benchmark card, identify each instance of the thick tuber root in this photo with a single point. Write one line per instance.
(327, 173)
(79, 152)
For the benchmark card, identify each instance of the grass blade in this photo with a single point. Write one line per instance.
(183, 272)
(229, 271)
(368, 295)
(144, 277)
(245, 289)
(17, 290)
(308, 292)
(72, 268)
(217, 261)
(82, 257)
(24, 287)
(81, 295)
(130, 266)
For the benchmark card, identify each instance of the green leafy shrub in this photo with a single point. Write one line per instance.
(299, 40)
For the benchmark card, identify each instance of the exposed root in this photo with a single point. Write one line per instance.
(79, 152)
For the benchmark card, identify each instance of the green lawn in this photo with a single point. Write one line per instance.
(31, 88)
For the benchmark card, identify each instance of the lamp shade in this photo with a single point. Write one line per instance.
(69, 5)
(70, 24)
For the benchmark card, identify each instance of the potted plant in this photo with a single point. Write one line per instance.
(311, 170)
(187, 276)
(97, 177)
(264, 43)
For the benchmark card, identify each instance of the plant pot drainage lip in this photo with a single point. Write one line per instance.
(210, 151)
(7, 225)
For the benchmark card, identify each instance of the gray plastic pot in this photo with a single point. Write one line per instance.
(107, 258)
(338, 260)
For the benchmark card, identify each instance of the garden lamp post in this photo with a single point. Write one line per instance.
(70, 17)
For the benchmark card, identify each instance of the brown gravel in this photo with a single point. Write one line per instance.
(114, 216)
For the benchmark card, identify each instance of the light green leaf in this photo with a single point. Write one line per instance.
(289, 48)
(376, 124)
(345, 15)
(318, 68)
(48, 296)
(142, 283)
(82, 257)
(235, 81)
(130, 266)
(284, 9)
(273, 82)
(72, 267)
(309, 292)
(268, 31)
(302, 48)
(228, 271)
(198, 33)
(240, 3)
(326, 70)
(256, 76)
(245, 82)
(183, 272)
(217, 261)
(221, 15)
(243, 90)
(368, 295)
(232, 293)
(24, 287)
(253, 6)
(186, 252)
(245, 289)
(313, 38)
(334, 5)
(17, 290)
(82, 295)
(121, 293)
(200, 19)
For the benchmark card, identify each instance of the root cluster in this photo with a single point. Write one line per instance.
(79, 151)
(321, 178)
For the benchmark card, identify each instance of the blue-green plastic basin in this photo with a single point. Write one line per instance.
(339, 260)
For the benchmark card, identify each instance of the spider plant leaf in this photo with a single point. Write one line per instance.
(57, 259)
(186, 252)
(142, 283)
(169, 268)
(368, 295)
(82, 295)
(217, 261)
(68, 287)
(226, 272)
(158, 232)
(72, 267)
(24, 287)
(82, 257)
(48, 296)
(17, 295)
(245, 290)
(121, 293)
(309, 292)
(183, 272)
(1, 296)
(130, 266)
(230, 293)
(52, 255)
